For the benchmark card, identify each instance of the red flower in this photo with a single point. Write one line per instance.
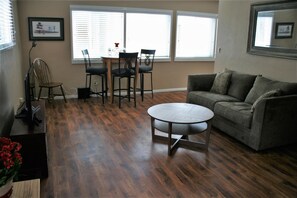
(10, 159)
(4, 140)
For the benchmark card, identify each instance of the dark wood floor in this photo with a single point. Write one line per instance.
(104, 151)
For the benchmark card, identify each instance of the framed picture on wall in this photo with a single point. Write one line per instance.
(46, 29)
(284, 30)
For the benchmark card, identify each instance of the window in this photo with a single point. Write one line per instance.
(96, 31)
(195, 36)
(142, 33)
(98, 28)
(7, 38)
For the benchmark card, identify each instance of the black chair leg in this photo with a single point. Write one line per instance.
(113, 90)
(86, 80)
(106, 87)
(134, 92)
(49, 95)
(90, 80)
(142, 85)
(152, 87)
(39, 94)
(120, 92)
(62, 90)
(32, 93)
(102, 88)
(128, 89)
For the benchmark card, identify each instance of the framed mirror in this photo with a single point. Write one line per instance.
(273, 29)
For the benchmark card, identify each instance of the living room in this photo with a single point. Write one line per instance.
(169, 76)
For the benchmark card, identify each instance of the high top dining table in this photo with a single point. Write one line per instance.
(108, 60)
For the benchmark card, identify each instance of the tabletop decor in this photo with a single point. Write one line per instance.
(10, 163)
(116, 49)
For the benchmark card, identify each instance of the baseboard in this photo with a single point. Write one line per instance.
(170, 90)
(155, 91)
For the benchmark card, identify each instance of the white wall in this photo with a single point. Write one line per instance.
(232, 39)
(11, 81)
(167, 75)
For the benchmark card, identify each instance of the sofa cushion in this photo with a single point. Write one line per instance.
(263, 85)
(268, 94)
(237, 112)
(208, 99)
(240, 85)
(200, 82)
(221, 83)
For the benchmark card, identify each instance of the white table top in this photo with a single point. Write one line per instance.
(182, 113)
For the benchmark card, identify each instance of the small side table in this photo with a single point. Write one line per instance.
(26, 189)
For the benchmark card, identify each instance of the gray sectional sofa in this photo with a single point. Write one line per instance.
(255, 110)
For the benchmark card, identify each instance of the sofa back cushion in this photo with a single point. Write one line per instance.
(240, 85)
(263, 85)
(221, 83)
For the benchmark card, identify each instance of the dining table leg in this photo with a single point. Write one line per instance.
(109, 78)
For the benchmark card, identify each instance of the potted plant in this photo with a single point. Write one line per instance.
(10, 163)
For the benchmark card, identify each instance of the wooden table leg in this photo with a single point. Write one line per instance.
(169, 137)
(207, 134)
(153, 128)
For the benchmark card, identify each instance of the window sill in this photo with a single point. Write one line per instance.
(195, 59)
(99, 61)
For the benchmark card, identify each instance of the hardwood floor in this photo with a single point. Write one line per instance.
(104, 151)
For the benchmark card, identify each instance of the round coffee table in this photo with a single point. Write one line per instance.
(180, 119)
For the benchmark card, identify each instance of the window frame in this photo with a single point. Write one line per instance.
(125, 10)
(8, 11)
(202, 15)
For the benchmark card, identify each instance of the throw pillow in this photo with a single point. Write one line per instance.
(263, 85)
(240, 85)
(221, 83)
(265, 95)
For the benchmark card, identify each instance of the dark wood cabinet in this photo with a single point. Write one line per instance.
(34, 145)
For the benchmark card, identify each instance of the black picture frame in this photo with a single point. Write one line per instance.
(46, 29)
(284, 30)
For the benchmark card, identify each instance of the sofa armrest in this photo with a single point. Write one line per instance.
(274, 122)
(200, 82)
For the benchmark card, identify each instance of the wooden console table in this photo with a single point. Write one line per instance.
(34, 148)
(26, 189)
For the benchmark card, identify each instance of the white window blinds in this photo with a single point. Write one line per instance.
(97, 28)
(195, 36)
(96, 31)
(149, 31)
(7, 38)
